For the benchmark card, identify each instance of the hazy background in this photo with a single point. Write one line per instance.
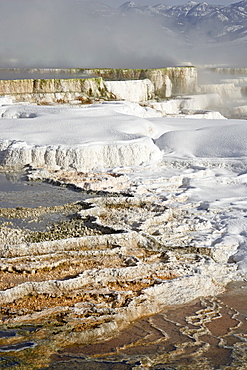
(116, 3)
(72, 34)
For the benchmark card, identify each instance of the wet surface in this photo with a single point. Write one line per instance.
(94, 365)
(6, 362)
(19, 194)
(6, 334)
(62, 302)
(16, 191)
(17, 347)
(209, 333)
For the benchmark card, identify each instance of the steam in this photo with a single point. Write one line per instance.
(81, 33)
(68, 33)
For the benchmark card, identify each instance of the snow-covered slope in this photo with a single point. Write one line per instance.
(111, 135)
(84, 139)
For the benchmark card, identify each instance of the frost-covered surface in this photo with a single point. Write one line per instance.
(84, 139)
(136, 85)
(123, 134)
(228, 86)
(110, 135)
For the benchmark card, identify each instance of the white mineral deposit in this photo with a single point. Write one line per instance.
(164, 225)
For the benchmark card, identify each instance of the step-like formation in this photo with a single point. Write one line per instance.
(124, 258)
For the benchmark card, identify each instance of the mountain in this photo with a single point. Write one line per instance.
(214, 22)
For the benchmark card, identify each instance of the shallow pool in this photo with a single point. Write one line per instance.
(16, 191)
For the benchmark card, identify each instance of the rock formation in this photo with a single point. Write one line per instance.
(163, 83)
(132, 257)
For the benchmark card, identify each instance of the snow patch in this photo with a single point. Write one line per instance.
(221, 141)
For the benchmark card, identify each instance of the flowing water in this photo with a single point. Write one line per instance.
(207, 334)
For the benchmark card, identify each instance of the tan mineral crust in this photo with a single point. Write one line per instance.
(112, 288)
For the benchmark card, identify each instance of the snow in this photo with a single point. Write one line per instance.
(222, 141)
(84, 139)
(69, 126)
(108, 124)
(200, 164)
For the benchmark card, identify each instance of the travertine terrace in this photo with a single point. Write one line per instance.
(101, 84)
(92, 288)
(126, 257)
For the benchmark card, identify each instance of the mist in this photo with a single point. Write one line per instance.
(67, 33)
(116, 3)
(89, 34)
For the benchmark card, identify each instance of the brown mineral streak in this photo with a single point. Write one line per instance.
(120, 263)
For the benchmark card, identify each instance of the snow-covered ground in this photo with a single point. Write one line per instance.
(174, 228)
(200, 162)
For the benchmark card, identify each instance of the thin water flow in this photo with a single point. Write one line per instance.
(17, 193)
(208, 333)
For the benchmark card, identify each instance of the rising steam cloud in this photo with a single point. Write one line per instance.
(85, 33)
(67, 33)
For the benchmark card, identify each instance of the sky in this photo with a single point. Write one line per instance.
(115, 3)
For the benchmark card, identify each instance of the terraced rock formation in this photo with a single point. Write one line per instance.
(106, 84)
(123, 258)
